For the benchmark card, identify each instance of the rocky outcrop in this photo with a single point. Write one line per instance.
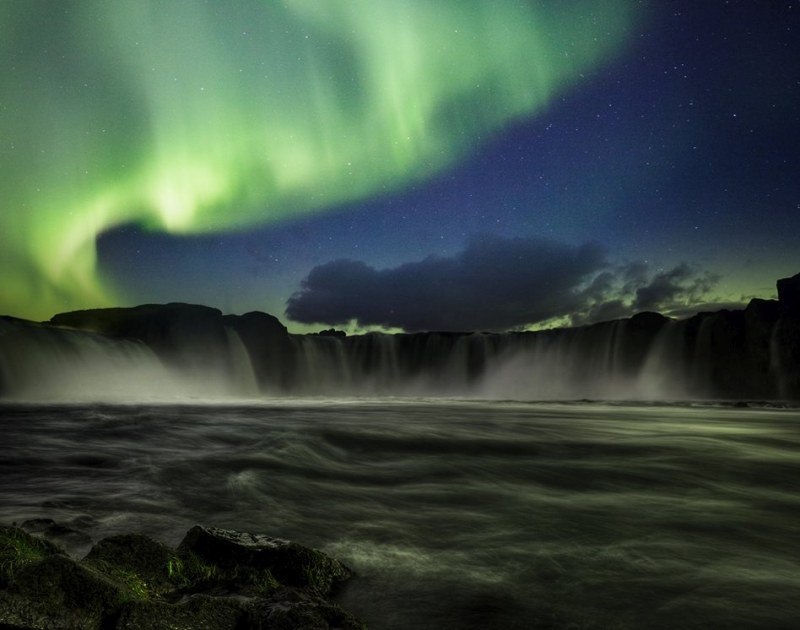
(187, 336)
(285, 561)
(215, 579)
(268, 345)
(192, 338)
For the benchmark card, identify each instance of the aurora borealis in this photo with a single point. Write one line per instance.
(221, 152)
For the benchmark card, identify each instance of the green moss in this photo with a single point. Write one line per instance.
(186, 569)
(132, 582)
(64, 586)
(266, 582)
(17, 549)
(175, 568)
(179, 573)
(137, 561)
(320, 572)
(261, 581)
(314, 579)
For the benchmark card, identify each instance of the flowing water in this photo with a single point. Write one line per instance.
(454, 514)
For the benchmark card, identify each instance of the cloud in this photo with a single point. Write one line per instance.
(632, 288)
(674, 287)
(495, 284)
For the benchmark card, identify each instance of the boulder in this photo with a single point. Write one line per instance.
(57, 592)
(18, 548)
(216, 580)
(146, 566)
(289, 563)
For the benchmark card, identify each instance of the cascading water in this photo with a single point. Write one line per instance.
(575, 363)
(242, 378)
(775, 361)
(321, 367)
(663, 370)
(182, 351)
(376, 360)
(43, 363)
(556, 365)
(74, 365)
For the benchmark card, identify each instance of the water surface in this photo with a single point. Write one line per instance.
(455, 514)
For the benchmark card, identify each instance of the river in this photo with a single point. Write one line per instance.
(454, 513)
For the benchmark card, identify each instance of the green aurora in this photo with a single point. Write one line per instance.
(194, 117)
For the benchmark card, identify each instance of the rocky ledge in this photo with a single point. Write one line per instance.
(215, 580)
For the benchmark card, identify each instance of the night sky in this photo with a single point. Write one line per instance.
(399, 164)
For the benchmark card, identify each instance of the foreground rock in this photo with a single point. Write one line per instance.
(216, 579)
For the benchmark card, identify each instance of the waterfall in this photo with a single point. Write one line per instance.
(242, 378)
(44, 363)
(322, 367)
(594, 362)
(374, 363)
(50, 364)
(662, 375)
(191, 353)
(563, 364)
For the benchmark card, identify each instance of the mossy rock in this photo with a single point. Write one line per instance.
(217, 579)
(18, 548)
(199, 612)
(289, 563)
(23, 613)
(145, 565)
(57, 588)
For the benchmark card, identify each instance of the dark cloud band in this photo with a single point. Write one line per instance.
(493, 284)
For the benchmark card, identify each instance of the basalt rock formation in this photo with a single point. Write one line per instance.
(183, 335)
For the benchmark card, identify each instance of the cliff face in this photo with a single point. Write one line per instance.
(183, 335)
(752, 353)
